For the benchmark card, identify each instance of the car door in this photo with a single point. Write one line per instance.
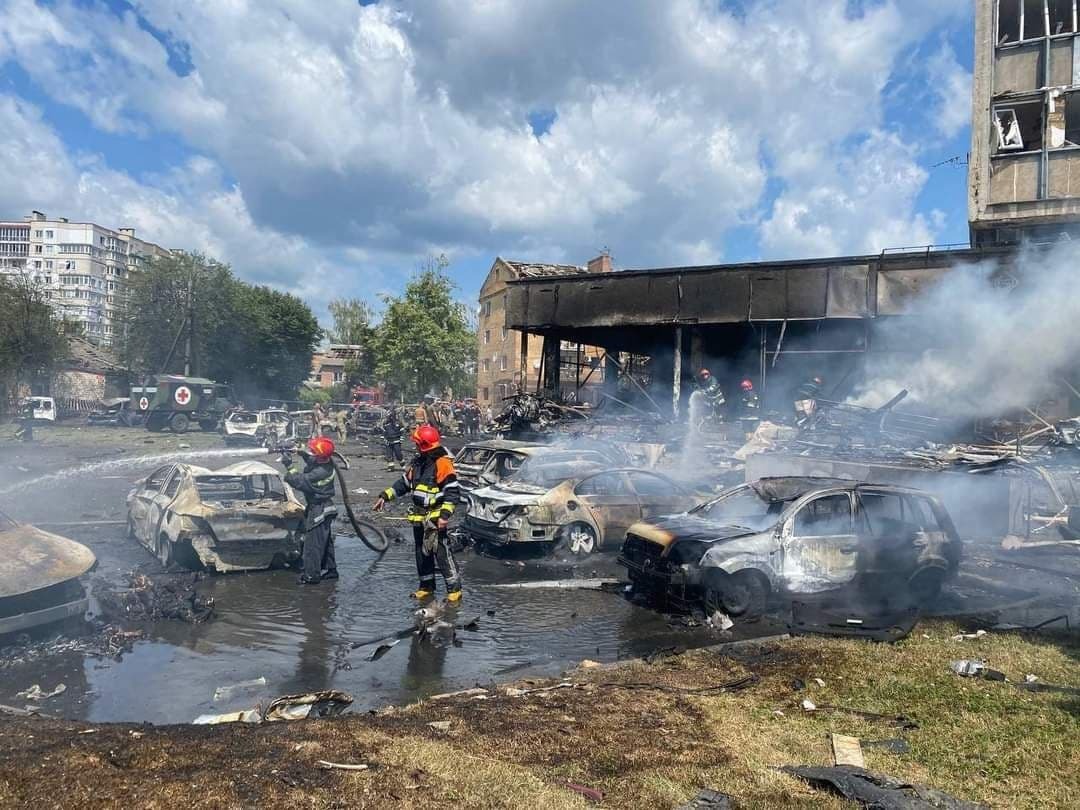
(159, 504)
(895, 530)
(658, 495)
(820, 544)
(145, 492)
(613, 503)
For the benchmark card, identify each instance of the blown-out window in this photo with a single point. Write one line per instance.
(1019, 127)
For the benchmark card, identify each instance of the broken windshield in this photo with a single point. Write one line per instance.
(240, 487)
(743, 507)
(244, 418)
(548, 475)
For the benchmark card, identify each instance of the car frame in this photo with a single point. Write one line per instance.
(119, 412)
(171, 514)
(263, 430)
(471, 459)
(592, 506)
(692, 560)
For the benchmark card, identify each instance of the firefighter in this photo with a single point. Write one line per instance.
(713, 393)
(341, 424)
(315, 477)
(749, 405)
(806, 397)
(392, 432)
(432, 480)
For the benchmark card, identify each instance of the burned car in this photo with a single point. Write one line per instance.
(794, 537)
(120, 412)
(255, 427)
(239, 518)
(502, 458)
(572, 505)
(471, 459)
(39, 577)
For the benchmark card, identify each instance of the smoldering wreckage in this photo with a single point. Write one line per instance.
(799, 505)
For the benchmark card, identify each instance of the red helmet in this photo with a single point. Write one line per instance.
(320, 447)
(426, 438)
(747, 385)
(704, 374)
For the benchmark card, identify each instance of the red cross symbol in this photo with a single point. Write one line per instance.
(182, 395)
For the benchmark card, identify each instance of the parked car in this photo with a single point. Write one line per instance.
(573, 504)
(783, 537)
(471, 459)
(120, 412)
(254, 427)
(506, 457)
(239, 518)
(39, 577)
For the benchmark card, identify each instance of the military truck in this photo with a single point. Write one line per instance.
(174, 402)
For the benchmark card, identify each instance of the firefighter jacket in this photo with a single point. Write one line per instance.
(432, 481)
(392, 431)
(808, 390)
(316, 480)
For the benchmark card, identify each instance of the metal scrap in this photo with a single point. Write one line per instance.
(878, 790)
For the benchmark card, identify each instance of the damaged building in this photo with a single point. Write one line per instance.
(1024, 167)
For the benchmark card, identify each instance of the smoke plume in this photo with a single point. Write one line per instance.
(1002, 336)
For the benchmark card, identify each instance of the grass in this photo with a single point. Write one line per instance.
(978, 740)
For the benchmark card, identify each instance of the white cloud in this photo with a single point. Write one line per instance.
(393, 128)
(952, 89)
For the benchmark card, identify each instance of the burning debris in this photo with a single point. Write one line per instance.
(151, 599)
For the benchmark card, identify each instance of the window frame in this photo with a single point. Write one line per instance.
(794, 520)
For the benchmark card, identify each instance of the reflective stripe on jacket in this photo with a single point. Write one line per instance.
(432, 481)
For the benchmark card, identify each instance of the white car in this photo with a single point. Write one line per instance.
(44, 408)
(255, 427)
(240, 518)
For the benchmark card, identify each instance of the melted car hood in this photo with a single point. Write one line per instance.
(691, 527)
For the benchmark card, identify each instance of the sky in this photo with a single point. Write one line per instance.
(326, 148)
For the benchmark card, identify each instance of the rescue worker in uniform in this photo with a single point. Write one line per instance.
(749, 405)
(714, 394)
(392, 432)
(432, 481)
(315, 476)
(806, 397)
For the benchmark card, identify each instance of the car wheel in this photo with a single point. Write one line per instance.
(164, 551)
(925, 586)
(580, 539)
(179, 423)
(742, 594)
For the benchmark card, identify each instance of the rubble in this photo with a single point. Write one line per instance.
(151, 599)
(878, 790)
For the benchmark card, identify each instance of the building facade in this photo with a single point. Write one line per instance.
(82, 266)
(510, 361)
(1024, 167)
(328, 367)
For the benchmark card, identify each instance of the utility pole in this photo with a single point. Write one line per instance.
(190, 322)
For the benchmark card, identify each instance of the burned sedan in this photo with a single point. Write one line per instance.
(239, 518)
(572, 505)
(794, 537)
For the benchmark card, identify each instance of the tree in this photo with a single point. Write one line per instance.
(352, 326)
(423, 343)
(260, 340)
(32, 340)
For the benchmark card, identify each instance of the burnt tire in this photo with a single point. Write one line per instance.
(579, 539)
(155, 423)
(179, 423)
(924, 587)
(743, 594)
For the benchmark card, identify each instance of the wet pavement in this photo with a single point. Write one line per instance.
(302, 639)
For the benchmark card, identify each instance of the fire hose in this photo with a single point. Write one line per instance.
(371, 535)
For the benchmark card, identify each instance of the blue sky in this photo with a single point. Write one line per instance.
(328, 148)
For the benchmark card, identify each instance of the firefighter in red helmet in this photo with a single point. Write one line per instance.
(713, 393)
(315, 477)
(431, 480)
(749, 406)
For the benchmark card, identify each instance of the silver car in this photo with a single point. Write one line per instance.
(794, 536)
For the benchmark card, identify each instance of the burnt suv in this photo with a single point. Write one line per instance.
(794, 537)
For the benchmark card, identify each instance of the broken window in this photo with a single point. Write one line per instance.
(824, 517)
(1055, 120)
(1019, 127)
(1008, 21)
(1033, 23)
(1072, 118)
(1062, 19)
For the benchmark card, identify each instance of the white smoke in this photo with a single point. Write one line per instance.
(1004, 336)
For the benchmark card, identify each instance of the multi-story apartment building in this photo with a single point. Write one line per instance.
(507, 361)
(81, 266)
(1024, 168)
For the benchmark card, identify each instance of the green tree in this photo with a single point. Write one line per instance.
(32, 340)
(256, 338)
(424, 343)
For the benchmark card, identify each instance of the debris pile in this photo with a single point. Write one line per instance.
(151, 599)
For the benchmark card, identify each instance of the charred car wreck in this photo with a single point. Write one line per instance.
(786, 538)
(570, 504)
(239, 518)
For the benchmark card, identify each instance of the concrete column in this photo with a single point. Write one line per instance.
(611, 373)
(697, 349)
(552, 366)
(676, 386)
(523, 364)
